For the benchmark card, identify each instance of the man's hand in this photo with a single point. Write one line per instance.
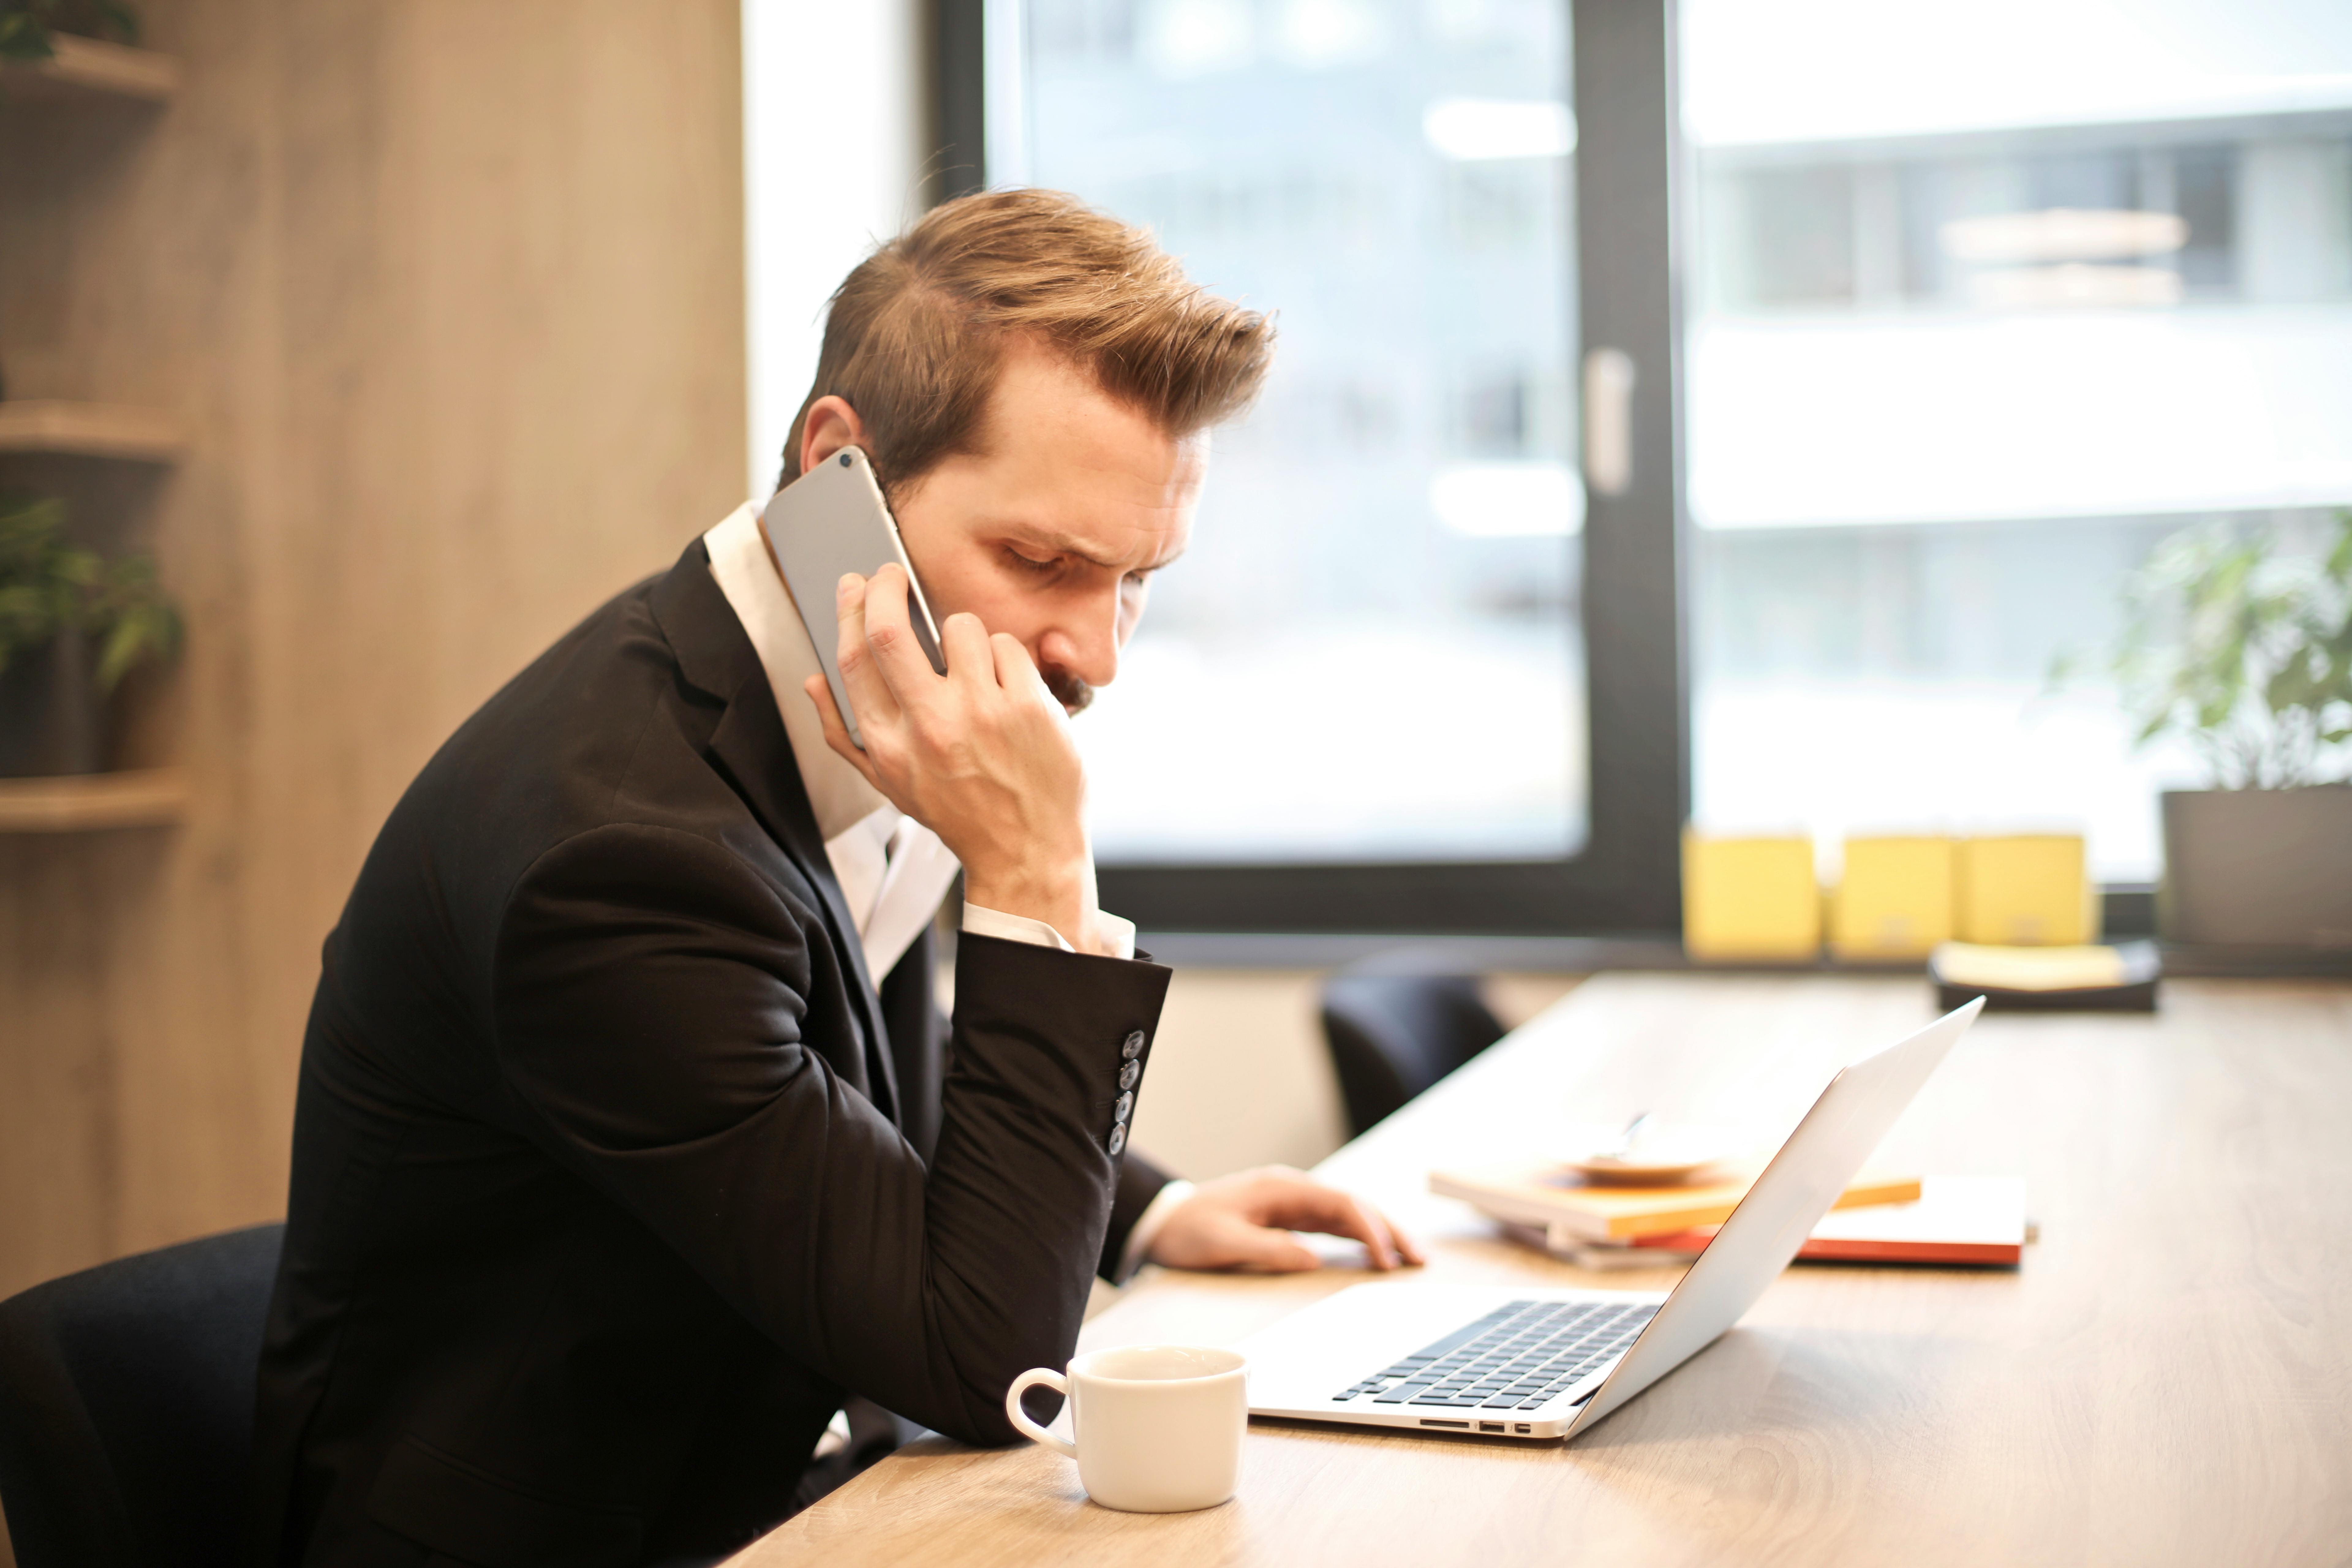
(981, 757)
(1244, 1221)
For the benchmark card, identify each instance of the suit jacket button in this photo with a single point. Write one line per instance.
(1133, 1047)
(1118, 1139)
(1126, 1103)
(1129, 1074)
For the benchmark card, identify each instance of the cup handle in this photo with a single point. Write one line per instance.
(1020, 1417)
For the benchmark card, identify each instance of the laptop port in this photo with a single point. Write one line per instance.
(1458, 1426)
(1492, 1426)
(1522, 1426)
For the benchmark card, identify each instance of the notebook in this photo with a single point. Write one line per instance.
(1973, 1220)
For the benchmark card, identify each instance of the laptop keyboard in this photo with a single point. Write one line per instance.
(1515, 1357)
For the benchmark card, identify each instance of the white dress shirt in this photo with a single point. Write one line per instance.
(892, 870)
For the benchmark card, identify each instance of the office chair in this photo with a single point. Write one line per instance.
(1392, 1035)
(126, 1406)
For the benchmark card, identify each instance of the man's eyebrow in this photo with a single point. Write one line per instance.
(1064, 544)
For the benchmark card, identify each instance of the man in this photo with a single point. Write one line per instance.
(616, 1172)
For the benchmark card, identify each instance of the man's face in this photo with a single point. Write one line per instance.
(1052, 532)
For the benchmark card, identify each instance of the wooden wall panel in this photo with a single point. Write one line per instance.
(451, 297)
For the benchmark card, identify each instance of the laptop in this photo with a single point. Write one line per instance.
(1544, 1365)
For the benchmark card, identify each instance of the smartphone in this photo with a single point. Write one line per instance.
(827, 524)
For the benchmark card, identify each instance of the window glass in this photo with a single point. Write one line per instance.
(1988, 300)
(1371, 652)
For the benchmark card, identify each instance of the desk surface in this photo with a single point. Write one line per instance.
(2167, 1379)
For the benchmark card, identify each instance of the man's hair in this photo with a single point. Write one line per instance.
(916, 334)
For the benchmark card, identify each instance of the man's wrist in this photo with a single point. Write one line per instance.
(1147, 1227)
(1115, 937)
(1057, 900)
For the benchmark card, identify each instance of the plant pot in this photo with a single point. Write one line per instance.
(52, 720)
(2258, 868)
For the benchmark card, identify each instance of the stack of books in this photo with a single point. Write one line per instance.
(1977, 1220)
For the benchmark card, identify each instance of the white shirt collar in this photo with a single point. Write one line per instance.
(747, 575)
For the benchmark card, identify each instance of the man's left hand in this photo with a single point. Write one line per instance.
(1245, 1220)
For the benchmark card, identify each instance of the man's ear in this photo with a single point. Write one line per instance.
(831, 425)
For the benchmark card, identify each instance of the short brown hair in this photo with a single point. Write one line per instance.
(915, 335)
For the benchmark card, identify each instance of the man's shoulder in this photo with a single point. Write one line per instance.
(611, 726)
(556, 750)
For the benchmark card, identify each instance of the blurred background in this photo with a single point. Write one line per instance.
(1763, 417)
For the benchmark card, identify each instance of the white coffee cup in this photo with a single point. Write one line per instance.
(1159, 1427)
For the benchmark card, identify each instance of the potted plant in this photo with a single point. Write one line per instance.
(72, 625)
(26, 26)
(2242, 649)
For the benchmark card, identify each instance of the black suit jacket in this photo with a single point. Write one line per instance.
(614, 1172)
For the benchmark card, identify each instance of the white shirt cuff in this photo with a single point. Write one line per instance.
(1114, 932)
(1147, 1227)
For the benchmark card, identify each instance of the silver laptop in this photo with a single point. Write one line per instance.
(1543, 1364)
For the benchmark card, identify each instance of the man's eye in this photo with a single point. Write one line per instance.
(1040, 567)
(1138, 579)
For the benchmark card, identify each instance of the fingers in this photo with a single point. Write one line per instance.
(1359, 1222)
(1300, 1203)
(836, 733)
(965, 642)
(890, 636)
(1407, 1248)
(870, 692)
(1017, 672)
(1246, 1220)
(1263, 1250)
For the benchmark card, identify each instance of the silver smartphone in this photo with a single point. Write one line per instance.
(830, 522)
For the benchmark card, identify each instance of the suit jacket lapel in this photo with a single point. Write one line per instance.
(716, 657)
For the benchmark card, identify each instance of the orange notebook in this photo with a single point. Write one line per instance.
(1569, 1210)
(1956, 1219)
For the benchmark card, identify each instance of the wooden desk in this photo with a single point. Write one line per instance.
(2167, 1379)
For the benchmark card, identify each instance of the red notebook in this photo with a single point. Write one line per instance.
(1956, 1219)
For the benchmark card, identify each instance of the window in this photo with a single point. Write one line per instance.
(1362, 701)
(1975, 325)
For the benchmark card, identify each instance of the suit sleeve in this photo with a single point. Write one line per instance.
(656, 1024)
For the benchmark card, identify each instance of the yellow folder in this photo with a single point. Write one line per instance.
(1895, 901)
(1750, 898)
(2025, 890)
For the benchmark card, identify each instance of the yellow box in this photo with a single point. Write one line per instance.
(1750, 898)
(1894, 899)
(2025, 890)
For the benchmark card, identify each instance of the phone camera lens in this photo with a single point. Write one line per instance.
(844, 459)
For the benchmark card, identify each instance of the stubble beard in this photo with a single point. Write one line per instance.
(1073, 694)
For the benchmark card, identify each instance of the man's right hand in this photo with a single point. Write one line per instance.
(981, 757)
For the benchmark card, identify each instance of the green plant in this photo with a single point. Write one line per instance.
(2242, 649)
(25, 26)
(47, 586)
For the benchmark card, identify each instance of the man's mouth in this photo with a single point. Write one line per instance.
(1071, 692)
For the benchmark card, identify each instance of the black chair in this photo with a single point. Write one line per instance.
(126, 1406)
(1392, 1035)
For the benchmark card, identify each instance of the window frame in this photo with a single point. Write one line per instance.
(1627, 876)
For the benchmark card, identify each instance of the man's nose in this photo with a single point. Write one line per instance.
(1087, 644)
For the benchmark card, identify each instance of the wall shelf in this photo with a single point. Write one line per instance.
(84, 68)
(90, 430)
(148, 797)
